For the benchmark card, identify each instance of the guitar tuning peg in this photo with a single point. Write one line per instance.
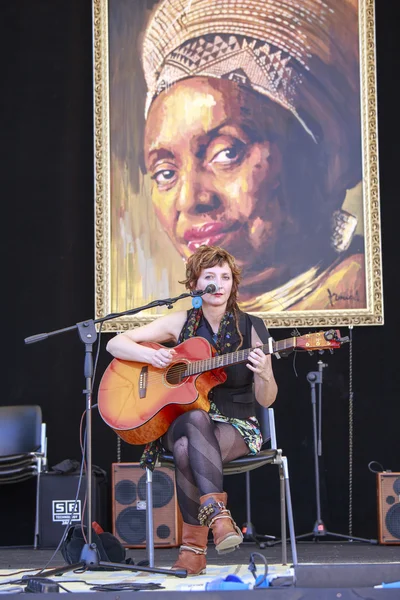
(321, 351)
(310, 352)
(331, 350)
(329, 335)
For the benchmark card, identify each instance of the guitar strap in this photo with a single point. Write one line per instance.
(261, 330)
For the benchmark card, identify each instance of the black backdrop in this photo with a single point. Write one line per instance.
(48, 207)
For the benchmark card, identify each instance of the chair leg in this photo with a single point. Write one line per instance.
(248, 500)
(37, 512)
(149, 517)
(289, 512)
(248, 529)
(283, 511)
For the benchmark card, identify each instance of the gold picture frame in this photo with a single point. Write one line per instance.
(135, 261)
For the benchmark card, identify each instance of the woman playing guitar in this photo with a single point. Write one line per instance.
(203, 439)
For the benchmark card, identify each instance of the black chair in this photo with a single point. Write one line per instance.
(23, 449)
(245, 464)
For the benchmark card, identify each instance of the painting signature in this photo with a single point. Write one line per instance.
(333, 297)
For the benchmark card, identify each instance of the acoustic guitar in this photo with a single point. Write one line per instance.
(139, 402)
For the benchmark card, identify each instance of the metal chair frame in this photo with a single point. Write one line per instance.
(245, 464)
(23, 449)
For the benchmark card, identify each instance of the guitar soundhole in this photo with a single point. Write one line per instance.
(176, 373)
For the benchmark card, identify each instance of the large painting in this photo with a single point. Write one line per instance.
(247, 124)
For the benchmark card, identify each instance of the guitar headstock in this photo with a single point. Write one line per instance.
(321, 340)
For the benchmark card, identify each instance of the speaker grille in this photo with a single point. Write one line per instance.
(389, 507)
(163, 488)
(129, 506)
(130, 526)
(125, 492)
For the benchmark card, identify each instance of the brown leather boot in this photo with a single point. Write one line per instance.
(213, 512)
(192, 553)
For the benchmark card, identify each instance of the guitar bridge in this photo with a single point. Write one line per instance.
(143, 380)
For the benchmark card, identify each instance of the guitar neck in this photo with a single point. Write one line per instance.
(234, 358)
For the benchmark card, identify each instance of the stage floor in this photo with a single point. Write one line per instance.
(321, 564)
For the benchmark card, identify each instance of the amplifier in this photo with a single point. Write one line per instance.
(388, 489)
(129, 506)
(56, 503)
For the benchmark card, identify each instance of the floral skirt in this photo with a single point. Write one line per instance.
(248, 428)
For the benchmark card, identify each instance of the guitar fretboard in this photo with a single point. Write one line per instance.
(234, 358)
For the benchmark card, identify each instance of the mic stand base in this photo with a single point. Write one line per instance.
(89, 560)
(250, 536)
(320, 531)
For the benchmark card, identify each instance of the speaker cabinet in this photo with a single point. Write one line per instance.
(58, 501)
(129, 506)
(388, 507)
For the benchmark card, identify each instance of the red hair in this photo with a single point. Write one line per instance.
(210, 256)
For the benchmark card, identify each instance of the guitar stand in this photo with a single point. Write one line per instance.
(319, 529)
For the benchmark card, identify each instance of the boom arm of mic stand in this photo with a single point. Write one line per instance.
(132, 311)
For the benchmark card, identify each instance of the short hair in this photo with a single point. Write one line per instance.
(205, 257)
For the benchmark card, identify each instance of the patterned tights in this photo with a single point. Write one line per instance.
(200, 447)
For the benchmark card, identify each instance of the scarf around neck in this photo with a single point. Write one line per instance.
(227, 337)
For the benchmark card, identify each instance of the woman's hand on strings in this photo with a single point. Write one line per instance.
(162, 357)
(258, 360)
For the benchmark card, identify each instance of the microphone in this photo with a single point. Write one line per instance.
(211, 289)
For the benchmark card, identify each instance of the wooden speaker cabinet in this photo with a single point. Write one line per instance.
(388, 489)
(129, 506)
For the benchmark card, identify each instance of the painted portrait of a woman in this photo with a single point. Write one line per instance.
(238, 123)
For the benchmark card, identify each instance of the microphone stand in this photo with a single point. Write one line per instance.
(89, 558)
(319, 530)
(315, 378)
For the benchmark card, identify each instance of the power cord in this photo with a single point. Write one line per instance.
(253, 569)
(379, 468)
(127, 587)
(262, 581)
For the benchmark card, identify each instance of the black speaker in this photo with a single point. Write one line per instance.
(56, 503)
(388, 488)
(129, 506)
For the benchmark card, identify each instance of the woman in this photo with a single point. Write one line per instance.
(253, 142)
(201, 442)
